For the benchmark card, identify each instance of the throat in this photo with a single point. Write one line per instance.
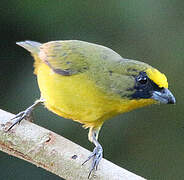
(130, 105)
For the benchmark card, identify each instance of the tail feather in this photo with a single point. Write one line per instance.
(34, 48)
(31, 46)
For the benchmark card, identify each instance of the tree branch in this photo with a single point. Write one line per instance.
(54, 153)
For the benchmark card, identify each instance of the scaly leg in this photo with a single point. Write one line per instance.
(25, 114)
(97, 153)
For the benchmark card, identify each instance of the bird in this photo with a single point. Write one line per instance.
(90, 83)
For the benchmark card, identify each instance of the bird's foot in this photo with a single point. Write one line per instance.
(20, 116)
(25, 114)
(97, 155)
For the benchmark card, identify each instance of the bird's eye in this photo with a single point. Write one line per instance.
(142, 80)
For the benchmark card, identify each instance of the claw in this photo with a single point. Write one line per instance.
(97, 156)
(25, 114)
(92, 155)
(20, 116)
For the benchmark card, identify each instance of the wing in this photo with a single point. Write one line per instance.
(73, 57)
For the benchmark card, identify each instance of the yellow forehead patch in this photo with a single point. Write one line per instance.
(157, 77)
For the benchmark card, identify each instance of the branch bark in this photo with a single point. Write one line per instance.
(54, 153)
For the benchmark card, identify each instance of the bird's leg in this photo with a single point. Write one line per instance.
(25, 114)
(97, 153)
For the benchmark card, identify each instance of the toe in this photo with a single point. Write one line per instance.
(97, 156)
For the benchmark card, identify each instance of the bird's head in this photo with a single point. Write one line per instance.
(144, 85)
(149, 83)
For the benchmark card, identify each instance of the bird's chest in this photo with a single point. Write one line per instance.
(74, 97)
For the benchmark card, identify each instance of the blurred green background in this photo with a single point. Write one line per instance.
(148, 141)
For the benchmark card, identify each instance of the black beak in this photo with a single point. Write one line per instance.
(164, 96)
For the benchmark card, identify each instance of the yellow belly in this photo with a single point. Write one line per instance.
(76, 97)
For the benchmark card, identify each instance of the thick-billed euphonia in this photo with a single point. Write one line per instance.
(90, 83)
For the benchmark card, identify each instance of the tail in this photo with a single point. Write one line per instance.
(34, 48)
(31, 46)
